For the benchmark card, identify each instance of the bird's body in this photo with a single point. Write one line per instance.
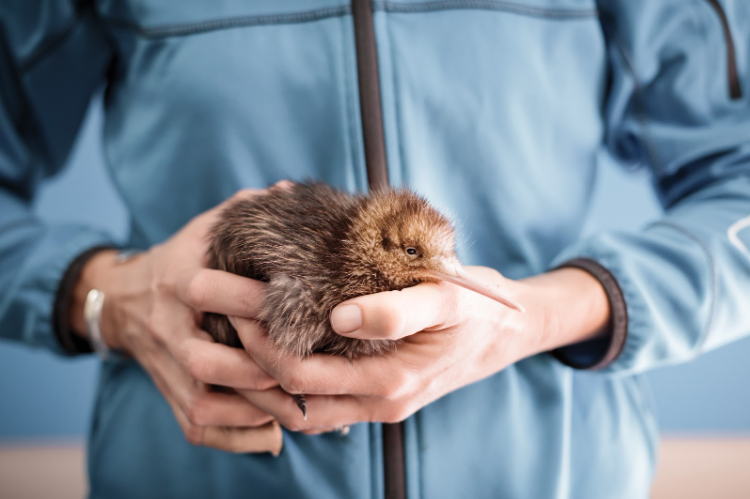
(317, 247)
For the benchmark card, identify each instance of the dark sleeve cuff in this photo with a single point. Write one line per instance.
(71, 343)
(599, 353)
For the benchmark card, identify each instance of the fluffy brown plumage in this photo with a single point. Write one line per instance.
(316, 247)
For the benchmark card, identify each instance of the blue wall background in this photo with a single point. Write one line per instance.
(43, 397)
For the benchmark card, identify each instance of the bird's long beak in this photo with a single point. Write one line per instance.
(459, 277)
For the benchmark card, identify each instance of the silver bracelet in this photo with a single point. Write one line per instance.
(92, 314)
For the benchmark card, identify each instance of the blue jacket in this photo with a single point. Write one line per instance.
(495, 110)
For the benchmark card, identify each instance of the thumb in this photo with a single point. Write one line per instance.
(393, 315)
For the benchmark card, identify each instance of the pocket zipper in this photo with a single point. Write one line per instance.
(735, 90)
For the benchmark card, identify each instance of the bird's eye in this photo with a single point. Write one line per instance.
(412, 252)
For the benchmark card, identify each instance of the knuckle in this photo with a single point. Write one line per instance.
(262, 383)
(457, 306)
(394, 415)
(392, 322)
(292, 419)
(196, 291)
(397, 386)
(194, 434)
(197, 366)
(161, 287)
(154, 325)
(391, 391)
(241, 194)
(197, 412)
(293, 424)
(257, 419)
(291, 383)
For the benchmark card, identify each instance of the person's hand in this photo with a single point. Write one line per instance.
(451, 337)
(153, 312)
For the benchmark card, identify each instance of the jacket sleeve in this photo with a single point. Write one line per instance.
(679, 101)
(53, 56)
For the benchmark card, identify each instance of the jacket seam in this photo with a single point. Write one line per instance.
(397, 105)
(734, 83)
(349, 112)
(496, 5)
(699, 346)
(26, 120)
(174, 30)
(638, 104)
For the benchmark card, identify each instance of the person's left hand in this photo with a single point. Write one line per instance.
(451, 337)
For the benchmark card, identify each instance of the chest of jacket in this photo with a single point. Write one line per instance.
(491, 109)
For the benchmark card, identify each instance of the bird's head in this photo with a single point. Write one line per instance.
(400, 237)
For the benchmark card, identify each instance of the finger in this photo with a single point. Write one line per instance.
(208, 409)
(217, 364)
(318, 373)
(284, 409)
(393, 315)
(259, 438)
(283, 184)
(278, 404)
(260, 348)
(201, 406)
(205, 220)
(220, 292)
(324, 412)
(381, 376)
(193, 433)
(266, 438)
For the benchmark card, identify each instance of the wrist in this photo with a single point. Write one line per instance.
(98, 273)
(565, 307)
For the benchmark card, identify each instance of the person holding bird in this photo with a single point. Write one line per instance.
(523, 381)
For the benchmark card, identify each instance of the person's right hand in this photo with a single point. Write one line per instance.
(153, 311)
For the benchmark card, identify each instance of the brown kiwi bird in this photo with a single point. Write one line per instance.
(316, 247)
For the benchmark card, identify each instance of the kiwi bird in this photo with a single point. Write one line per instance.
(316, 247)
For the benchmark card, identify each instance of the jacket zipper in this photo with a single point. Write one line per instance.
(369, 94)
(735, 89)
(394, 468)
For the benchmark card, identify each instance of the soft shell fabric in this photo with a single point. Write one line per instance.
(494, 110)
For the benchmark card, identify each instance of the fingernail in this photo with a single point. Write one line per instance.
(346, 319)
